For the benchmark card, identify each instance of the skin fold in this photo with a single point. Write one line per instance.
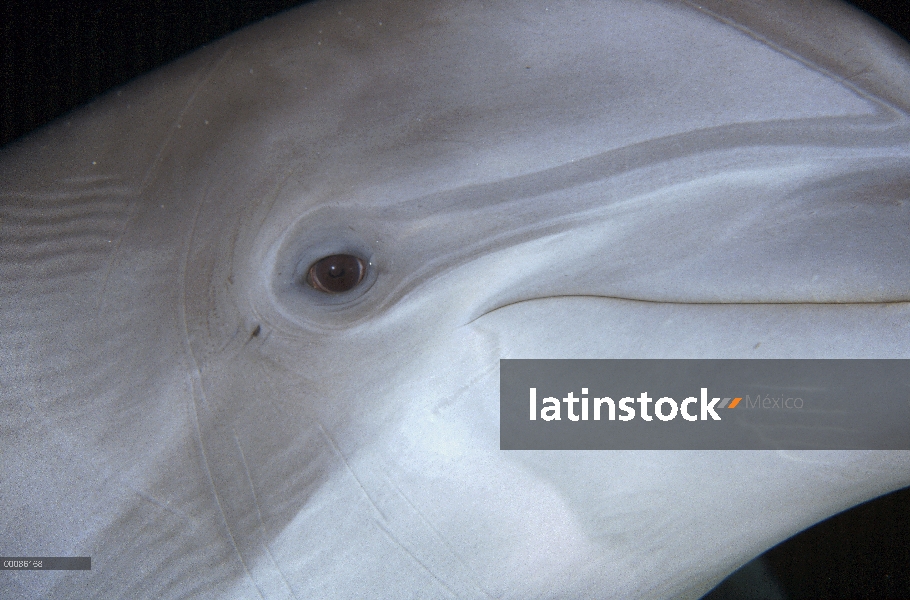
(570, 179)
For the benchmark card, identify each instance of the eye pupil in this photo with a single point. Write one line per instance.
(336, 273)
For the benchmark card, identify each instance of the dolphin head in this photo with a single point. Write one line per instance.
(259, 298)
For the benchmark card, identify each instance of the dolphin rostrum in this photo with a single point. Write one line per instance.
(253, 304)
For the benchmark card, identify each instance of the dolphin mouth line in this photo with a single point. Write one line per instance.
(689, 302)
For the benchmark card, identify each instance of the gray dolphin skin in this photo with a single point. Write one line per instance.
(534, 179)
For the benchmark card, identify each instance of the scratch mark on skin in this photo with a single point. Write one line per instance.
(165, 506)
(846, 81)
(269, 201)
(383, 519)
(179, 120)
(260, 527)
(197, 393)
(436, 532)
(853, 76)
(398, 543)
(351, 471)
(153, 167)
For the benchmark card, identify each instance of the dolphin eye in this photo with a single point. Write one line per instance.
(336, 273)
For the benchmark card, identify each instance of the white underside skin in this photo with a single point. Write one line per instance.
(530, 180)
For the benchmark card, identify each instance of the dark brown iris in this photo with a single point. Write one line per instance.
(336, 273)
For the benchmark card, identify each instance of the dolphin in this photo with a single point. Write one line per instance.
(254, 303)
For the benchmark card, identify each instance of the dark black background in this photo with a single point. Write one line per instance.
(56, 55)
